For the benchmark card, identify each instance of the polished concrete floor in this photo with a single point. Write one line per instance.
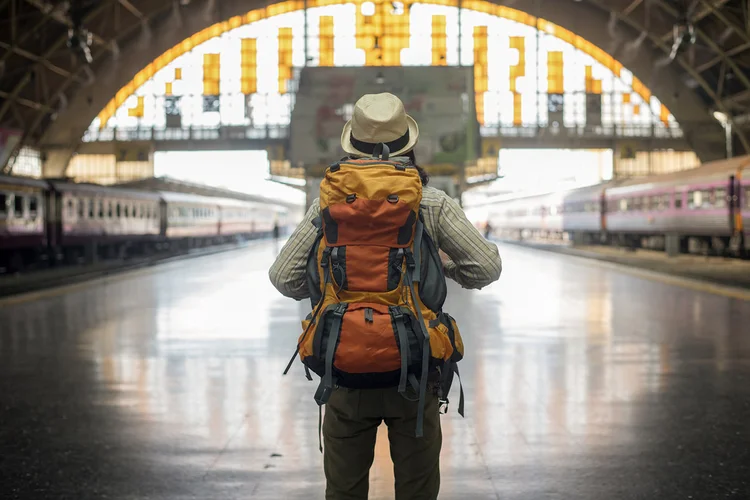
(582, 382)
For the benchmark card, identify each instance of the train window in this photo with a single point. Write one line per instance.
(695, 199)
(623, 205)
(33, 207)
(678, 201)
(110, 210)
(81, 208)
(143, 211)
(71, 208)
(708, 198)
(91, 209)
(3, 204)
(18, 206)
(720, 198)
(118, 210)
(665, 199)
(101, 209)
(126, 211)
(746, 195)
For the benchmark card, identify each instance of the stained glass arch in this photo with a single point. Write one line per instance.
(529, 72)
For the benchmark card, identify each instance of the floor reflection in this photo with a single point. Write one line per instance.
(573, 370)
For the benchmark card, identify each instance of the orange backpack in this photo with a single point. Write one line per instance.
(377, 287)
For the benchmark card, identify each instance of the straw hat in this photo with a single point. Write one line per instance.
(379, 118)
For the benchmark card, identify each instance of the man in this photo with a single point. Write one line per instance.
(353, 415)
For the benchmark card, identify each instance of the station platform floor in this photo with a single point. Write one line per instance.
(582, 382)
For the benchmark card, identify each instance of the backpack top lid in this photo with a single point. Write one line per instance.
(370, 201)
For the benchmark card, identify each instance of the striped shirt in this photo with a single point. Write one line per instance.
(474, 262)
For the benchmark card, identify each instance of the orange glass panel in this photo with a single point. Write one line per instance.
(439, 41)
(593, 86)
(383, 34)
(517, 109)
(168, 88)
(555, 72)
(519, 69)
(285, 58)
(380, 32)
(249, 66)
(636, 109)
(178, 73)
(626, 98)
(137, 111)
(664, 114)
(326, 41)
(641, 90)
(211, 74)
(481, 78)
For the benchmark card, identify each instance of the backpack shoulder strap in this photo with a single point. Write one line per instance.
(418, 230)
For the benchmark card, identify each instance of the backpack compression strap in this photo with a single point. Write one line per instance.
(411, 266)
(326, 383)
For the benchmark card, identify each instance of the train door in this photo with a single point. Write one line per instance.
(734, 204)
(53, 218)
(603, 213)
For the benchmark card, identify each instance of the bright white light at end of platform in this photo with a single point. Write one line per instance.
(368, 9)
(721, 117)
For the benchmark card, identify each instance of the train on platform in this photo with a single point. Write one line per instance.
(702, 210)
(48, 221)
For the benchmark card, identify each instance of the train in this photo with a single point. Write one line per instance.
(58, 221)
(704, 210)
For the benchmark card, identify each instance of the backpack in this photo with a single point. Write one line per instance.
(377, 287)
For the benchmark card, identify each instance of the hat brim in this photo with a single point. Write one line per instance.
(347, 146)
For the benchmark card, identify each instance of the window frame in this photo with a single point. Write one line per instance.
(16, 198)
(4, 204)
(33, 212)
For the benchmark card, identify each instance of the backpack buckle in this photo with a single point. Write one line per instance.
(410, 260)
(340, 310)
(442, 406)
(324, 257)
(397, 313)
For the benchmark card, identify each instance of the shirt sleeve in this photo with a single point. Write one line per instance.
(288, 272)
(474, 262)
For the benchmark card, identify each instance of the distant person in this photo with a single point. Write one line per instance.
(366, 254)
(276, 230)
(487, 230)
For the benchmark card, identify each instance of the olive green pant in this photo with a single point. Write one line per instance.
(350, 426)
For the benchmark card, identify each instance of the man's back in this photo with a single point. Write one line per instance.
(420, 340)
(474, 262)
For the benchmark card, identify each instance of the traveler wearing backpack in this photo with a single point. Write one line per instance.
(367, 256)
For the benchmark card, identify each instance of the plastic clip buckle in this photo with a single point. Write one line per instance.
(442, 406)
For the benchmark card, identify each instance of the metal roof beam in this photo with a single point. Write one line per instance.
(731, 52)
(37, 59)
(26, 102)
(61, 17)
(656, 39)
(132, 9)
(721, 17)
(709, 6)
(706, 39)
(51, 50)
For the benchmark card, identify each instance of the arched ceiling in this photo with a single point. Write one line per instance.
(51, 93)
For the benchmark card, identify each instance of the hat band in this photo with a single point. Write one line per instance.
(369, 147)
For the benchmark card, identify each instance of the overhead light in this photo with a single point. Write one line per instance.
(721, 117)
(379, 78)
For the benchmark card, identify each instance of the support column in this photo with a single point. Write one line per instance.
(56, 162)
(672, 244)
